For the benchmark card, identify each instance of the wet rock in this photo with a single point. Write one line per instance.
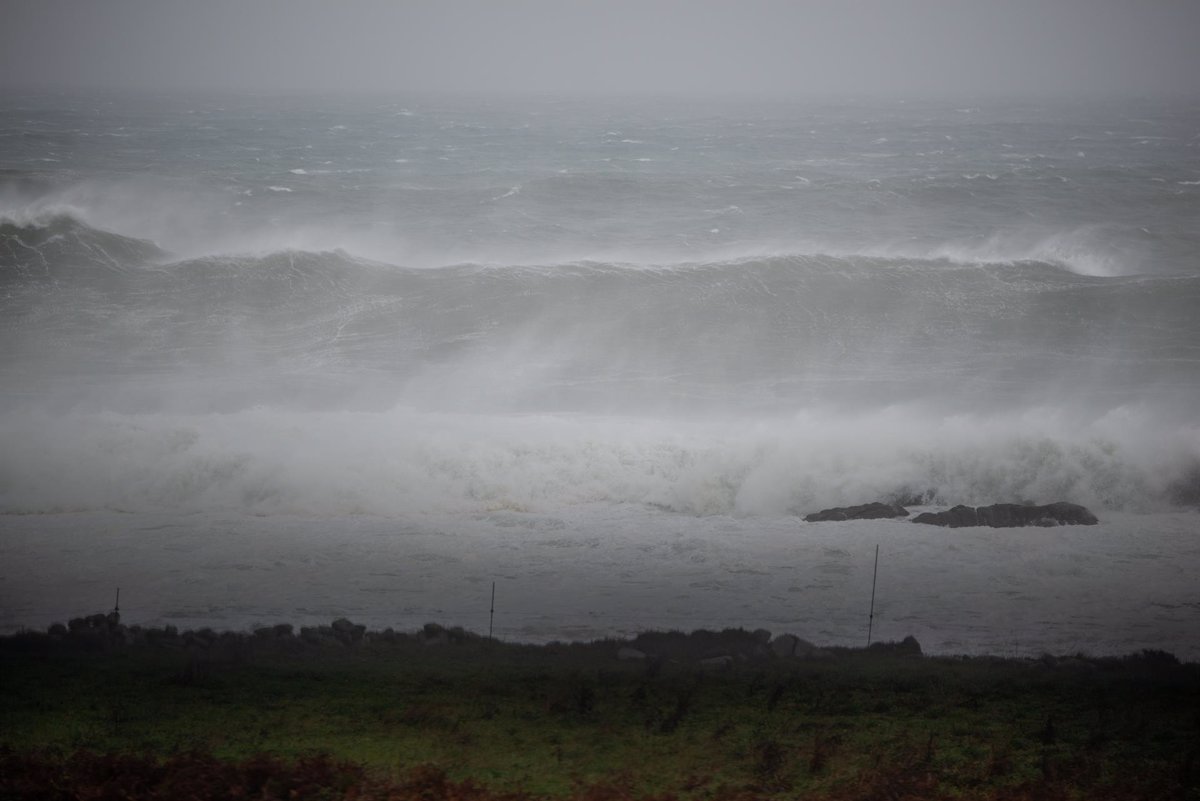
(867, 511)
(1066, 514)
(1010, 515)
(956, 517)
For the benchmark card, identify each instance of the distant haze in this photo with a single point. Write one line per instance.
(894, 47)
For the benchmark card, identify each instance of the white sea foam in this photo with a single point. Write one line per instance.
(268, 461)
(1085, 250)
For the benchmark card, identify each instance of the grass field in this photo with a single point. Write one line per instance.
(407, 716)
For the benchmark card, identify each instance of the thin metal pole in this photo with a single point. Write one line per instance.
(117, 604)
(871, 620)
(492, 612)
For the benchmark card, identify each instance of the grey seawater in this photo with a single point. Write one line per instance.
(599, 570)
(272, 359)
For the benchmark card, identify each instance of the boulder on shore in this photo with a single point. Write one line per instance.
(1010, 515)
(867, 511)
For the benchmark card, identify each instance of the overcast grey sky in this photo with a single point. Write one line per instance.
(896, 47)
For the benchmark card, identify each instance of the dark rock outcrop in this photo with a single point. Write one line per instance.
(956, 517)
(1010, 515)
(867, 511)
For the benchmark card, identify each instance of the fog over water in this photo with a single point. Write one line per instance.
(311, 310)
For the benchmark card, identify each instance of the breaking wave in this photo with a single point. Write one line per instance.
(319, 382)
(37, 236)
(765, 334)
(270, 461)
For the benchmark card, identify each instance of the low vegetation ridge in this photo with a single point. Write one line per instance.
(97, 709)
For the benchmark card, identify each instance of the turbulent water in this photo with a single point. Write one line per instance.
(272, 358)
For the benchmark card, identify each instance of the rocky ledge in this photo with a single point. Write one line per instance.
(1010, 515)
(867, 511)
(998, 515)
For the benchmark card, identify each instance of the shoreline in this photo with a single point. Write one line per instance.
(102, 634)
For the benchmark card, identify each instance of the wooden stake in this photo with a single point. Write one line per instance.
(492, 612)
(117, 603)
(871, 620)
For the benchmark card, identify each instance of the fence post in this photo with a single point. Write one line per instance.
(871, 619)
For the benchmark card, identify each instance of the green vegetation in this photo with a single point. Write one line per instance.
(445, 706)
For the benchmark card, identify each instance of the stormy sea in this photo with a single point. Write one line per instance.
(283, 359)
